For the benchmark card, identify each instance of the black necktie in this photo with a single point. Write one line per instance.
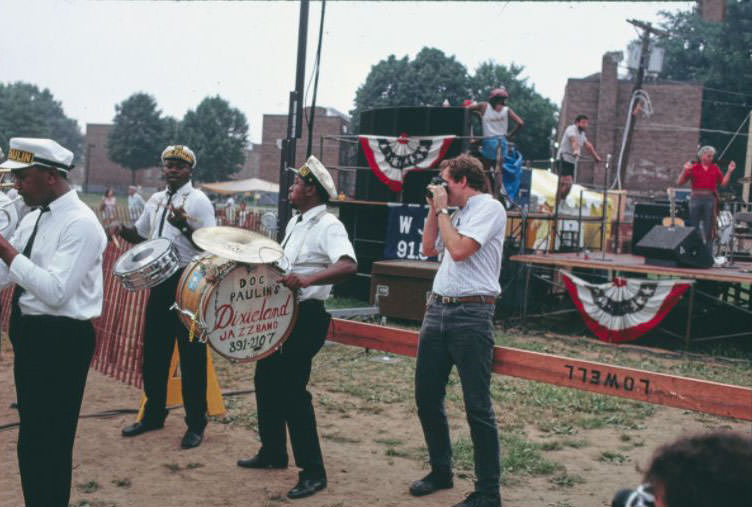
(299, 219)
(27, 253)
(164, 212)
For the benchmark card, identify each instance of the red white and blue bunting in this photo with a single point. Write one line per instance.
(391, 158)
(624, 309)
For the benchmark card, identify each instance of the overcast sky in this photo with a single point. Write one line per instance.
(94, 54)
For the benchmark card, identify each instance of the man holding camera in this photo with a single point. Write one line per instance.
(458, 325)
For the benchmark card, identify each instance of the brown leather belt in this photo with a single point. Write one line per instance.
(447, 300)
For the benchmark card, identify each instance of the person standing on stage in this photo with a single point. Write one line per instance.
(570, 150)
(55, 260)
(174, 214)
(703, 202)
(495, 116)
(319, 254)
(458, 325)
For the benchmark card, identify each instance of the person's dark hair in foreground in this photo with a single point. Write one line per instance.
(708, 470)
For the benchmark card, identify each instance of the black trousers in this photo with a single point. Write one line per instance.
(161, 330)
(52, 356)
(281, 395)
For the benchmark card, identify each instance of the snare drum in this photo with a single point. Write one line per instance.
(147, 264)
(240, 309)
(725, 223)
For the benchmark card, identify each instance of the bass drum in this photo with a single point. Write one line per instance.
(240, 309)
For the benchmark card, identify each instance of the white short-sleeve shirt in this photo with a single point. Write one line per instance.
(483, 219)
(198, 208)
(312, 243)
(565, 146)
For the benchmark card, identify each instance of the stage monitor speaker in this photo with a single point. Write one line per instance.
(649, 214)
(412, 121)
(674, 246)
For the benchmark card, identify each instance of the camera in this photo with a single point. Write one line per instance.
(642, 496)
(435, 181)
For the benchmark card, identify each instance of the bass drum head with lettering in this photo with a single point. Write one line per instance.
(248, 314)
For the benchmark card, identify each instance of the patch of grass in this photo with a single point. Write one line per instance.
(390, 442)
(613, 457)
(191, 466)
(122, 483)
(521, 456)
(172, 467)
(342, 302)
(576, 443)
(553, 445)
(565, 480)
(88, 487)
(342, 439)
(392, 452)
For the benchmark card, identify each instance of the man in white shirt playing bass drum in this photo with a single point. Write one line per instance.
(318, 254)
(55, 259)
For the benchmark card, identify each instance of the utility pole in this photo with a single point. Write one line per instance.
(748, 161)
(647, 30)
(294, 120)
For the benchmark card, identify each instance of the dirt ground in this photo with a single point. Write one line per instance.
(373, 449)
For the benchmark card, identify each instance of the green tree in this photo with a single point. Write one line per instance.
(139, 134)
(429, 79)
(718, 56)
(27, 111)
(218, 134)
(536, 111)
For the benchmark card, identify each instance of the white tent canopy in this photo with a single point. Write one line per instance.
(241, 186)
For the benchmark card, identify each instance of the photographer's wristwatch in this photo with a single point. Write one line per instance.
(443, 211)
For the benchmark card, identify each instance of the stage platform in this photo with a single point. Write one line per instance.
(741, 272)
(739, 277)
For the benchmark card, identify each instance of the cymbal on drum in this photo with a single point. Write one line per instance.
(238, 244)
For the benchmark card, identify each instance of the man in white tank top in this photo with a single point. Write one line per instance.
(495, 115)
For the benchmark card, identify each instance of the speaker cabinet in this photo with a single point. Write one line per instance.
(649, 214)
(411, 121)
(674, 246)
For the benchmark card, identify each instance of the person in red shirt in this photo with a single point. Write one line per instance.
(703, 204)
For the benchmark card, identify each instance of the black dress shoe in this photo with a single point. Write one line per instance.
(477, 499)
(191, 439)
(140, 427)
(260, 462)
(432, 482)
(306, 486)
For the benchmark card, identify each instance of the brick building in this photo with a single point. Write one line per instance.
(327, 122)
(99, 171)
(660, 144)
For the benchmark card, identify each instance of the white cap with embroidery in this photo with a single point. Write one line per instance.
(29, 151)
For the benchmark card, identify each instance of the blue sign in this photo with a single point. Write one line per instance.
(404, 232)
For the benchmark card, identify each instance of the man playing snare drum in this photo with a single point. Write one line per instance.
(173, 214)
(318, 253)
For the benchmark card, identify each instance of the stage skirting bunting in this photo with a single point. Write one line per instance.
(623, 309)
(391, 158)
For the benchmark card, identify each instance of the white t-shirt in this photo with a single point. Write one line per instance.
(495, 123)
(483, 219)
(565, 146)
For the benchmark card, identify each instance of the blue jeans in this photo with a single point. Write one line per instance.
(461, 335)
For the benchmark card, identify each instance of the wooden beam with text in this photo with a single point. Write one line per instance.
(640, 385)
